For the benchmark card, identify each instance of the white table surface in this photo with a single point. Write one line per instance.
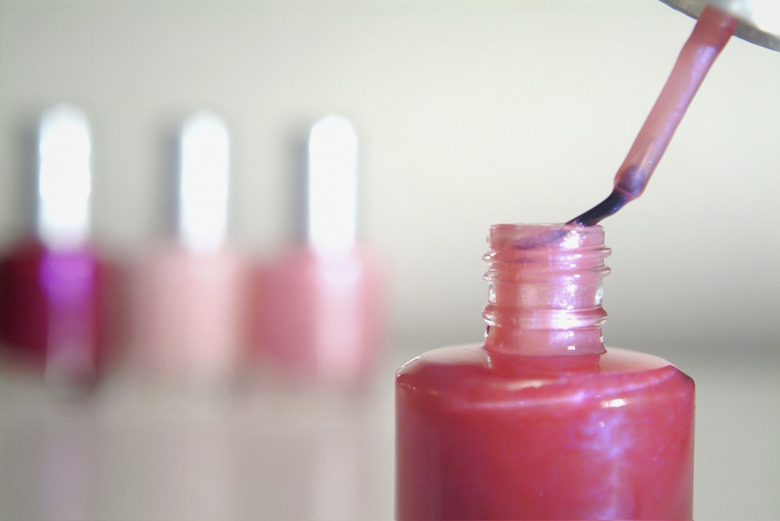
(135, 451)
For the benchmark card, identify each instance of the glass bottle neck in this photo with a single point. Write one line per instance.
(545, 290)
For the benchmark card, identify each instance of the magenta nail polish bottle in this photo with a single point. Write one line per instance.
(318, 310)
(540, 421)
(54, 310)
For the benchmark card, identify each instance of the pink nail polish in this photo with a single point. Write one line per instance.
(190, 301)
(540, 422)
(54, 308)
(318, 308)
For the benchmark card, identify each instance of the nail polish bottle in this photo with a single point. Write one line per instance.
(540, 421)
(189, 298)
(53, 306)
(318, 307)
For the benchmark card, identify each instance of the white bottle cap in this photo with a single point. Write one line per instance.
(332, 186)
(64, 178)
(204, 163)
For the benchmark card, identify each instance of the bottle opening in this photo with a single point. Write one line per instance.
(545, 289)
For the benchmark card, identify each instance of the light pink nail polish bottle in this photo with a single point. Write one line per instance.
(318, 307)
(190, 291)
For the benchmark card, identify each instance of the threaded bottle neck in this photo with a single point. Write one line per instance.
(545, 289)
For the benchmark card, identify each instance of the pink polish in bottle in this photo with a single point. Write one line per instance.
(53, 302)
(318, 308)
(190, 291)
(540, 421)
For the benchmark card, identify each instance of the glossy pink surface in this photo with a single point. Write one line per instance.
(483, 436)
(318, 319)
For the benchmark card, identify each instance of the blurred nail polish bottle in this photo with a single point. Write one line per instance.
(541, 421)
(190, 289)
(53, 306)
(318, 307)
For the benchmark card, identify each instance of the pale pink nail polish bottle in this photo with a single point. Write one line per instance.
(318, 307)
(53, 300)
(190, 301)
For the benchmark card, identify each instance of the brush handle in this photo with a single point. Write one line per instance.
(709, 36)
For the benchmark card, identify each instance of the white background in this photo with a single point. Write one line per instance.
(468, 113)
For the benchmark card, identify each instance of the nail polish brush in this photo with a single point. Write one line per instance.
(709, 36)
